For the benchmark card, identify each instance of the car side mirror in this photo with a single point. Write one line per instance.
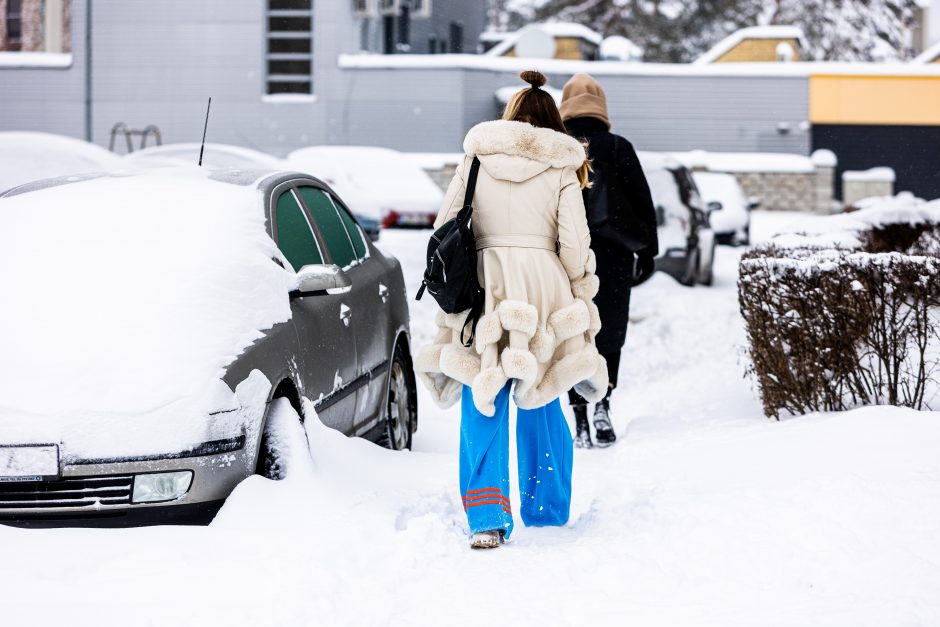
(753, 203)
(715, 206)
(312, 279)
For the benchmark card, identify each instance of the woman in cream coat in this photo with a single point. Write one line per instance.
(537, 269)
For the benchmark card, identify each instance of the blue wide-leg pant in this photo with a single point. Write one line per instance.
(544, 450)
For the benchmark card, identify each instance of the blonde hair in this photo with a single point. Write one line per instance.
(535, 106)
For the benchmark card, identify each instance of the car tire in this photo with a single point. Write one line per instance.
(706, 276)
(746, 240)
(691, 270)
(401, 403)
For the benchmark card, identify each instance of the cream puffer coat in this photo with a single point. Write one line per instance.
(536, 266)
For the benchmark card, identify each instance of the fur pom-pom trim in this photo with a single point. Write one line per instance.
(570, 321)
(519, 364)
(543, 344)
(486, 386)
(460, 363)
(518, 316)
(503, 137)
(428, 358)
(586, 287)
(489, 330)
(561, 377)
(453, 321)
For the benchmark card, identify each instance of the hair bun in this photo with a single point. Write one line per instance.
(533, 78)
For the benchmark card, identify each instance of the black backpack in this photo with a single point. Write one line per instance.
(620, 227)
(451, 274)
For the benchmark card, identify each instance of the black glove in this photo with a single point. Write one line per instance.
(643, 268)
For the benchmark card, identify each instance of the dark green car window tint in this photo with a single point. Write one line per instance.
(294, 237)
(331, 225)
(355, 233)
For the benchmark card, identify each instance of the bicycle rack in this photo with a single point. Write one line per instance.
(129, 134)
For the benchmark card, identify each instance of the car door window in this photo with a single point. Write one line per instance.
(352, 228)
(331, 226)
(294, 235)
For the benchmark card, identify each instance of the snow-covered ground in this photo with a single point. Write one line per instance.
(705, 513)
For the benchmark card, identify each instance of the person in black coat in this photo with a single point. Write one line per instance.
(622, 218)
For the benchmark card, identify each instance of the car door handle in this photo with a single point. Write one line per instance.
(345, 313)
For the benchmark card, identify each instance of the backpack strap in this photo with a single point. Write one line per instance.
(471, 182)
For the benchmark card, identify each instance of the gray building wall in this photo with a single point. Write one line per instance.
(668, 113)
(157, 63)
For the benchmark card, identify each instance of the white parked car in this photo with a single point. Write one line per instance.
(378, 183)
(729, 208)
(215, 157)
(27, 157)
(686, 241)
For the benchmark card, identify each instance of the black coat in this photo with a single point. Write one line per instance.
(630, 205)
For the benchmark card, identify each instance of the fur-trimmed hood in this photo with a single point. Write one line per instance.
(518, 151)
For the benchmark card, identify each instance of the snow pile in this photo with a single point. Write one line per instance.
(125, 298)
(704, 513)
(845, 230)
(26, 157)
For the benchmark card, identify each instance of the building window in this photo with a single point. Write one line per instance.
(420, 8)
(290, 47)
(364, 8)
(35, 26)
(456, 37)
(389, 7)
(13, 38)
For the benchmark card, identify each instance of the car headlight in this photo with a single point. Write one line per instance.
(161, 486)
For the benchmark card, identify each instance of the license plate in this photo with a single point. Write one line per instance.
(29, 463)
(413, 220)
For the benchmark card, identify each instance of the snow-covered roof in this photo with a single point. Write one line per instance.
(747, 161)
(493, 35)
(873, 175)
(755, 32)
(617, 68)
(555, 29)
(929, 55)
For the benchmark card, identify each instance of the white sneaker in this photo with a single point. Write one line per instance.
(486, 539)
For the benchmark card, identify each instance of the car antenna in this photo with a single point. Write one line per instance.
(204, 129)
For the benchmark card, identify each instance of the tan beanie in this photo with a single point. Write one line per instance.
(583, 97)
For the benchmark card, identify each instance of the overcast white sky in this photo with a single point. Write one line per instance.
(934, 20)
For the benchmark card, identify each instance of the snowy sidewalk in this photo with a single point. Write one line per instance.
(705, 513)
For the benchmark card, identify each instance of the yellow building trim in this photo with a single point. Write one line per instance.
(888, 100)
(758, 51)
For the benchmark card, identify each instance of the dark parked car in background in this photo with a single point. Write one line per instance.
(686, 241)
(305, 308)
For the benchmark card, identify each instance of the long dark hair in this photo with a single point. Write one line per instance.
(536, 106)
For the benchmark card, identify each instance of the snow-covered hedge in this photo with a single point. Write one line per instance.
(848, 315)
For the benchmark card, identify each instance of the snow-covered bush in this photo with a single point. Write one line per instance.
(850, 322)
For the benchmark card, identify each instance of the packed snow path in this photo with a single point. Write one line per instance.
(705, 513)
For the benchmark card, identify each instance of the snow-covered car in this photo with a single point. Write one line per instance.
(224, 156)
(729, 207)
(151, 319)
(215, 157)
(26, 156)
(686, 241)
(381, 184)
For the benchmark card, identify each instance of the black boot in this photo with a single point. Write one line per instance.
(605, 430)
(582, 439)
